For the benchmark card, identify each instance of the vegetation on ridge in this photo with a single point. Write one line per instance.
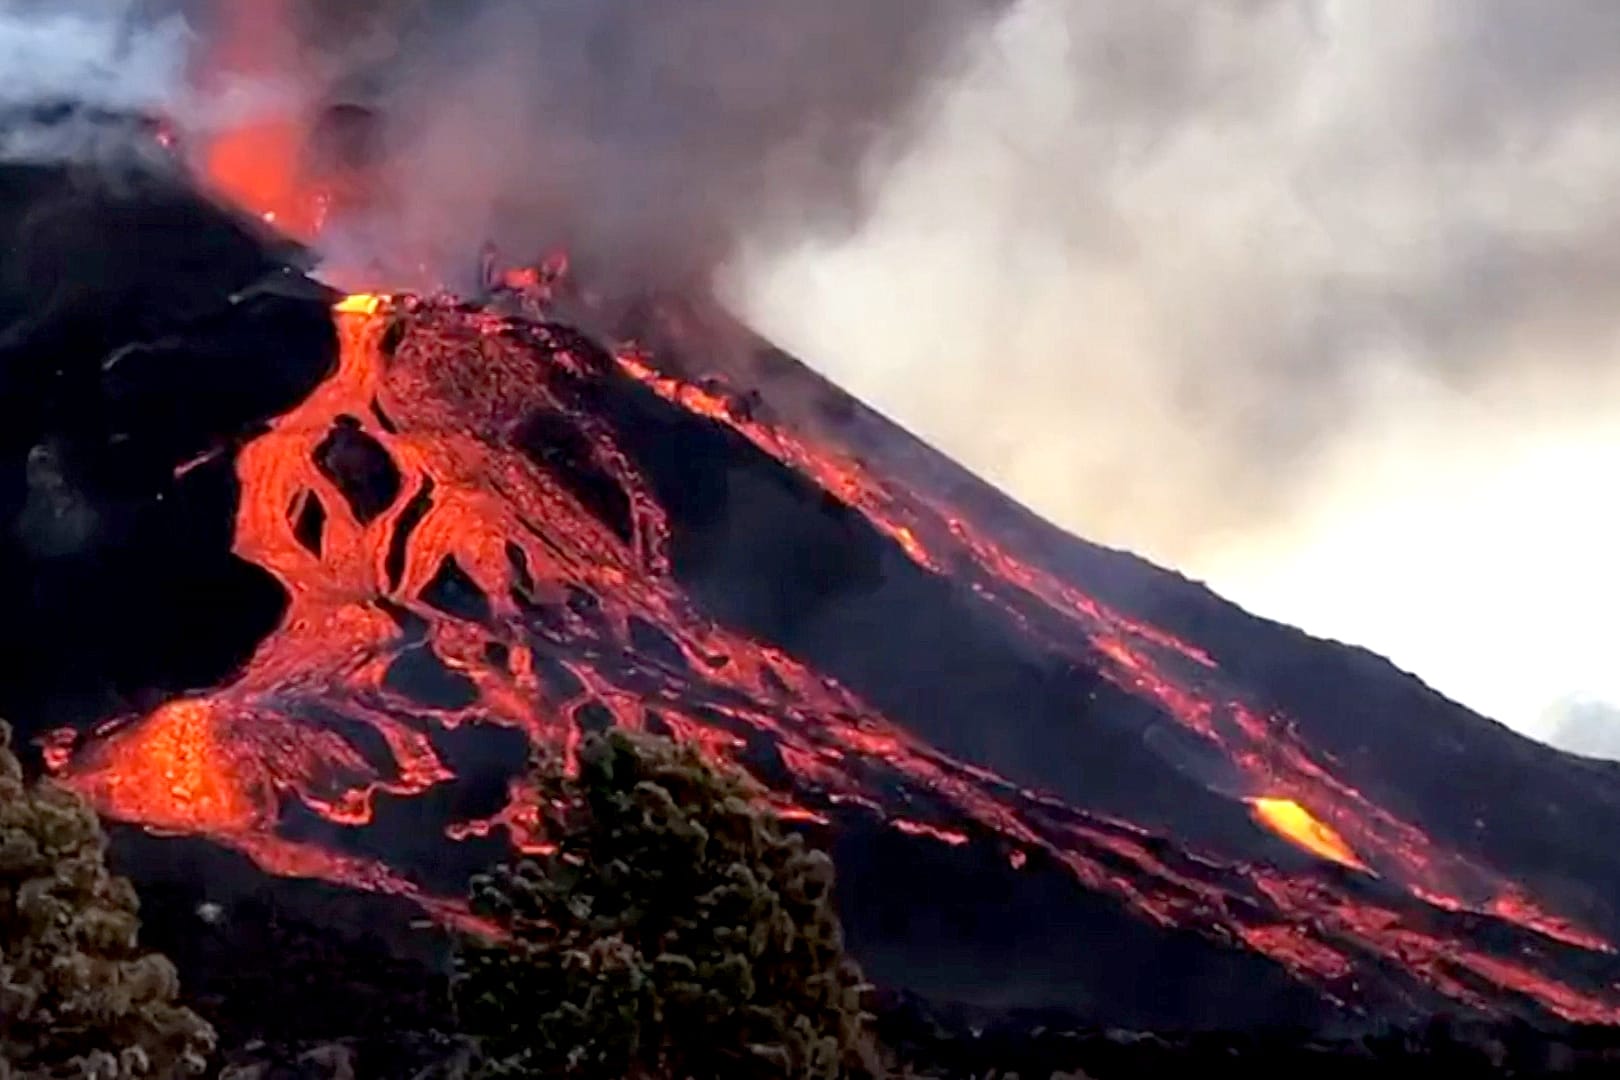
(676, 931)
(77, 996)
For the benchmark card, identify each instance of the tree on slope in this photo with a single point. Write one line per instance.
(676, 931)
(78, 999)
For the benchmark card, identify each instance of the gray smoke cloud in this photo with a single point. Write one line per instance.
(645, 137)
(1311, 299)
(1306, 297)
(107, 56)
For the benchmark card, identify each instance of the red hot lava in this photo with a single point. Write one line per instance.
(441, 388)
(254, 160)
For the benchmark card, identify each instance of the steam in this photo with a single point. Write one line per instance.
(1309, 299)
(101, 56)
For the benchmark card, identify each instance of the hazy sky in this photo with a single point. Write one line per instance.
(1312, 300)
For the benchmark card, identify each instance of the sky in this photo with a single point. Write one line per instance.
(1311, 300)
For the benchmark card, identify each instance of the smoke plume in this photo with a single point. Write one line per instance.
(1307, 298)
(645, 138)
(95, 57)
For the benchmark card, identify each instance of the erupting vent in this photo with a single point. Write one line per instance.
(467, 543)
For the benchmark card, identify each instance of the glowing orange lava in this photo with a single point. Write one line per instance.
(553, 609)
(1294, 823)
(177, 772)
(251, 165)
(258, 161)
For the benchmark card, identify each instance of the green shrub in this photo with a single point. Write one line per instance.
(677, 931)
(77, 997)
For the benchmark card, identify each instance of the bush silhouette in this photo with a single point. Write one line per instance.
(675, 932)
(77, 997)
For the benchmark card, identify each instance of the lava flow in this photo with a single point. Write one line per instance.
(1295, 823)
(465, 543)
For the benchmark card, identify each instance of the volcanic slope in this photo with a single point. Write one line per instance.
(1053, 774)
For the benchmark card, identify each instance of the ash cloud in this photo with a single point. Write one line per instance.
(1311, 299)
(643, 137)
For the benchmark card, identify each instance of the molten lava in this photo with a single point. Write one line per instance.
(1296, 824)
(179, 772)
(259, 160)
(249, 165)
(412, 532)
(361, 304)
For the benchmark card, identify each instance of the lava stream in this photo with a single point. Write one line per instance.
(408, 526)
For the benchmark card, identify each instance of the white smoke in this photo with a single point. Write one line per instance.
(91, 55)
(1310, 299)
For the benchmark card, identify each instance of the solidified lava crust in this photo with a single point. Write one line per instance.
(472, 535)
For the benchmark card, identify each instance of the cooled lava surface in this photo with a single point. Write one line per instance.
(337, 567)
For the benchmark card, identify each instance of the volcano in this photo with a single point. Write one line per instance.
(308, 578)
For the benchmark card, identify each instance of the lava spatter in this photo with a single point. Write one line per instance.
(488, 585)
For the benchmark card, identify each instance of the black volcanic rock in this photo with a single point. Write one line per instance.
(360, 468)
(127, 375)
(1469, 780)
(1041, 765)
